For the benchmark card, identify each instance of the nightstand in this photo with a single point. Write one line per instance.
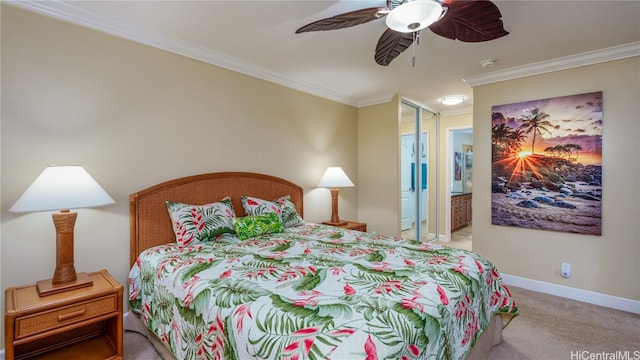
(85, 323)
(351, 225)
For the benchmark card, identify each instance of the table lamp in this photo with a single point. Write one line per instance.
(335, 178)
(63, 188)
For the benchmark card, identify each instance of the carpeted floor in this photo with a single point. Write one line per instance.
(548, 328)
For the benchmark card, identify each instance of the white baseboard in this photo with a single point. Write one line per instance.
(614, 302)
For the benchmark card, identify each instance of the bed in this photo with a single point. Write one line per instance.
(277, 287)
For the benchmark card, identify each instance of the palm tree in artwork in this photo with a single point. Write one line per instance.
(535, 122)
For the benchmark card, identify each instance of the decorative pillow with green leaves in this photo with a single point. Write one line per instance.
(196, 223)
(256, 225)
(282, 206)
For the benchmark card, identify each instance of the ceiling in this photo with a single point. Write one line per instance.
(258, 38)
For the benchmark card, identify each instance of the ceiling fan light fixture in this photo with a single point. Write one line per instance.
(414, 16)
(452, 100)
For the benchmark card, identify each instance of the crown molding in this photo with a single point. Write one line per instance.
(375, 100)
(69, 12)
(563, 63)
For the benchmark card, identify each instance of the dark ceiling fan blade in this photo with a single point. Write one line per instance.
(346, 20)
(390, 45)
(470, 21)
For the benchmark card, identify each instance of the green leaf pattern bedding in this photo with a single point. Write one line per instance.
(316, 292)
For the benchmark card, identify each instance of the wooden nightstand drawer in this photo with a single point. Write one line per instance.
(48, 320)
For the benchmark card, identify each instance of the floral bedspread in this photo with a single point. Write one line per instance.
(316, 292)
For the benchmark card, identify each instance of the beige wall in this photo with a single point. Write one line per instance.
(607, 264)
(134, 116)
(378, 167)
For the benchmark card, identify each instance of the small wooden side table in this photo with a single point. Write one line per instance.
(351, 225)
(85, 323)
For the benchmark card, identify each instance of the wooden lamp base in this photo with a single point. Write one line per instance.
(47, 287)
(335, 219)
(65, 277)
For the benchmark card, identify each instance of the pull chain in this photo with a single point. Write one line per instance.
(416, 39)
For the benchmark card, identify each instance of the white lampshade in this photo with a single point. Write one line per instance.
(335, 177)
(62, 188)
(414, 16)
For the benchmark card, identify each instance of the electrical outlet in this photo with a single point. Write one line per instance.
(565, 270)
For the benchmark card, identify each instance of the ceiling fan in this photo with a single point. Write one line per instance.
(464, 20)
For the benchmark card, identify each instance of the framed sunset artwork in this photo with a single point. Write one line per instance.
(547, 164)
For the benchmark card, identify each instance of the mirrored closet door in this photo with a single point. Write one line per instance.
(418, 164)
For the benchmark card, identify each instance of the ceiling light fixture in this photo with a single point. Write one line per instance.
(414, 16)
(452, 100)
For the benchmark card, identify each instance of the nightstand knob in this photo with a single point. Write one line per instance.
(71, 315)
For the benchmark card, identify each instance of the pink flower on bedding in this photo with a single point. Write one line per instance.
(189, 283)
(164, 338)
(181, 235)
(310, 300)
(370, 349)
(361, 251)
(437, 260)
(506, 289)
(388, 286)
(462, 307)
(413, 350)
(492, 276)
(217, 332)
(443, 296)
(188, 299)
(252, 202)
(343, 332)
(241, 312)
(412, 304)
(133, 294)
(348, 290)
(470, 330)
(306, 343)
(409, 262)
(197, 218)
(382, 266)
(495, 298)
(460, 268)
(225, 274)
(479, 266)
(305, 302)
(306, 331)
(291, 347)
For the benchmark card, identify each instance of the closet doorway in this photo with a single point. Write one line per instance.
(418, 164)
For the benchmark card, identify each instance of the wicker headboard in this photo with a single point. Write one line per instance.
(150, 224)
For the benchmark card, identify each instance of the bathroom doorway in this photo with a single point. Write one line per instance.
(459, 194)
